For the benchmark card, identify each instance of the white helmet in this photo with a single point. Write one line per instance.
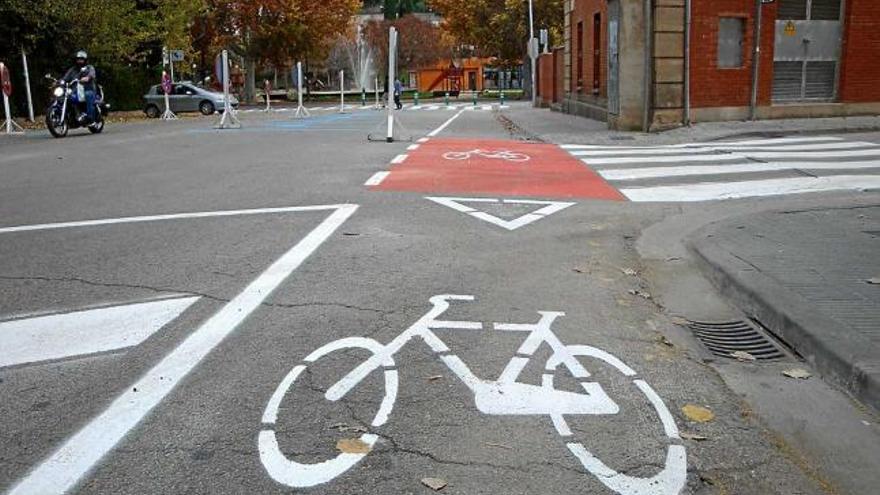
(82, 54)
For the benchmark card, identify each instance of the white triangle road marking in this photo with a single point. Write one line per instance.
(549, 208)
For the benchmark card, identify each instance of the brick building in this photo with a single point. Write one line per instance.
(651, 64)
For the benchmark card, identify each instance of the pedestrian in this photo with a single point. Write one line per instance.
(398, 89)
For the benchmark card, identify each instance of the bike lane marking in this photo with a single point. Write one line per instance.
(63, 469)
(90, 331)
(495, 167)
(504, 396)
(547, 208)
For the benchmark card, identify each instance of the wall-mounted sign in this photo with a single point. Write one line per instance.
(790, 28)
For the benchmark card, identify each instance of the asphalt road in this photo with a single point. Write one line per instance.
(274, 247)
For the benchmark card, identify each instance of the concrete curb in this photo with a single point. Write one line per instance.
(793, 132)
(839, 354)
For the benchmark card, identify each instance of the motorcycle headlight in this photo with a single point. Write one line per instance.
(58, 92)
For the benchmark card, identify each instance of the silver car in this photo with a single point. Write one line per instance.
(184, 97)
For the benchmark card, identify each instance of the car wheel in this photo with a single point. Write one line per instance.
(152, 111)
(207, 108)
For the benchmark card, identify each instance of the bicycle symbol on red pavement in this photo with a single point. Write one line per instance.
(507, 155)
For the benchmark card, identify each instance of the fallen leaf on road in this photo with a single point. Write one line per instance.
(665, 341)
(693, 436)
(743, 356)
(678, 320)
(642, 294)
(697, 413)
(629, 271)
(797, 373)
(577, 270)
(435, 377)
(352, 446)
(435, 484)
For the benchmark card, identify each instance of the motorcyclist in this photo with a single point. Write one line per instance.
(87, 77)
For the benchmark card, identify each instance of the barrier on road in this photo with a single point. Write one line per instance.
(341, 91)
(166, 88)
(301, 111)
(267, 88)
(6, 88)
(229, 120)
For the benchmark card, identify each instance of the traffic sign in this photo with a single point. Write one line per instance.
(177, 55)
(166, 83)
(5, 80)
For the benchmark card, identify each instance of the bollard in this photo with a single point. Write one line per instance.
(474, 98)
(363, 97)
(416, 99)
(446, 98)
(502, 97)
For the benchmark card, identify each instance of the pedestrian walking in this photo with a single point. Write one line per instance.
(398, 89)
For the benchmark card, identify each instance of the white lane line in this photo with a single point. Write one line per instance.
(432, 107)
(412, 147)
(487, 107)
(744, 150)
(376, 178)
(768, 142)
(654, 172)
(422, 140)
(59, 336)
(662, 159)
(443, 125)
(707, 191)
(62, 470)
(399, 158)
(172, 216)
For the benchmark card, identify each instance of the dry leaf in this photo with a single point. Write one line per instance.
(435, 377)
(352, 446)
(743, 356)
(693, 436)
(665, 341)
(697, 413)
(435, 484)
(797, 373)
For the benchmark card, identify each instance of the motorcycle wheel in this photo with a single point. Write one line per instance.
(56, 129)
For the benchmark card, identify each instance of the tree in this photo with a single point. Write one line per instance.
(499, 28)
(277, 31)
(419, 43)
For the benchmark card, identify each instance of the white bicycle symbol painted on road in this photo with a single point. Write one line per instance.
(504, 396)
(507, 155)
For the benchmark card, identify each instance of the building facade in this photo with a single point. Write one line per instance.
(653, 64)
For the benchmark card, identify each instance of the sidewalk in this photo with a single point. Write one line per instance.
(560, 128)
(812, 277)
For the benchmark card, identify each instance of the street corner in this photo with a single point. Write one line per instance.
(493, 167)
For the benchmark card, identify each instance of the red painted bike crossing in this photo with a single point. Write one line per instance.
(496, 167)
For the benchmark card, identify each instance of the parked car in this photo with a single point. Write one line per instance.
(185, 96)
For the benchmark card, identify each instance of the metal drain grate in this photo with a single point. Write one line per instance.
(725, 338)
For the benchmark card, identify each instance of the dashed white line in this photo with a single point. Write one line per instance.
(399, 158)
(376, 178)
(412, 147)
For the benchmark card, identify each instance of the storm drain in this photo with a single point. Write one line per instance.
(726, 338)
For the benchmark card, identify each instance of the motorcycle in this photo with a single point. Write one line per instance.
(68, 108)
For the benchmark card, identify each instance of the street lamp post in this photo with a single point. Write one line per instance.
(532, 50)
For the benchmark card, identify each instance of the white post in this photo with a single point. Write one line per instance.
(11, 126)
(301, 111)
(266, 89)
(229, 119)
(27, 86)
(171, 66)
(392, 54)
(341, 91)
(532, 51)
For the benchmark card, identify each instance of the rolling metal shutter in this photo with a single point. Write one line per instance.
(787, 81)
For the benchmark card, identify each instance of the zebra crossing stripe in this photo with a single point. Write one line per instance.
(727, 144)
(771, 187)
(739, 168)
(663, 159)
(672, 151)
